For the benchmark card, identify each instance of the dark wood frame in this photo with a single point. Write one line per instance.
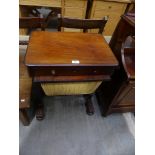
(84, 24)
(109, 92)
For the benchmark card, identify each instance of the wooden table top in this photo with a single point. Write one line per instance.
(68, 49)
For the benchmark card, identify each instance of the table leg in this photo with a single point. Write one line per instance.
(89, 104)
(24, 117)
(38, 95)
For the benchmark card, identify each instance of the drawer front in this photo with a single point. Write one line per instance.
(111, 24)
(72, 30)
(48, 3)
(75, 3)
(99, 14)
(111, 9)
(74, 13)
(60, 71)
(109, 6)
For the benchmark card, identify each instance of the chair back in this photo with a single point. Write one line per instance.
(31, 23)
(84, 24)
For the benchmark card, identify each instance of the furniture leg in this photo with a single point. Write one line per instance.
(24, 117)
(89, 104)
(38, 99)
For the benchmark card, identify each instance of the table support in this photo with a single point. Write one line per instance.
(24, 117)
(89, 104)
(38, 99)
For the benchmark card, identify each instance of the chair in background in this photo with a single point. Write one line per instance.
(84, 24)
(25, 82)
(31, 23)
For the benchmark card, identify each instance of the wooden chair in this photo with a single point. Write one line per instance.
(25, 82)
(31, 23)
(84, 24)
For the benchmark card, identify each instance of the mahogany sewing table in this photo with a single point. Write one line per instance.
(69, 57)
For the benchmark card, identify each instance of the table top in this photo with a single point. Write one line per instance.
(68, 49)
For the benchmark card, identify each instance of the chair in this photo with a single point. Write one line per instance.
(25, 82)
(84, 24)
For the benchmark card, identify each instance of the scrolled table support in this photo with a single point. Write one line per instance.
(38, 95)
(89, 105)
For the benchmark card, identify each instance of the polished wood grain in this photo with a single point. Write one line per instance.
(128, 57)
(111, 8)
(46, 3)
(70, 70)
(122, 97)
(61, 49)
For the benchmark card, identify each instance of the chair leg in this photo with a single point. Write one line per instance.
(23, 116)
(38, 94)
(89, 104)
(40, 112)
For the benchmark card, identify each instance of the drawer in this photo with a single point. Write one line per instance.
(48, 3)
(72, 30)
(74, 13)
(75, 3)
(111, 24)
(102, 13)
(109, 6)
(62, 71)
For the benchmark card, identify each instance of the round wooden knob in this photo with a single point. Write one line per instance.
(53, 72)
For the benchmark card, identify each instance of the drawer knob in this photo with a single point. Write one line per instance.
(94, 71)
(53, 72)
(109, 7)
